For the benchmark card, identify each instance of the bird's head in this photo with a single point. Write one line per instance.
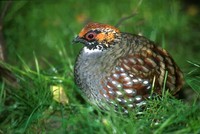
(98, 36)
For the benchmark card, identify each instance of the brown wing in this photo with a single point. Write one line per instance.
(131, 80)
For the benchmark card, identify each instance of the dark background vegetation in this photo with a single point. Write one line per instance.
(39, 52)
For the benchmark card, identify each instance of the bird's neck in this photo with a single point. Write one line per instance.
(101, 59)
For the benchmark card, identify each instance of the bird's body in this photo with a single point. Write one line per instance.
(122, 69)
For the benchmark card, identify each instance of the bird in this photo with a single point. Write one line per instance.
(121, 70)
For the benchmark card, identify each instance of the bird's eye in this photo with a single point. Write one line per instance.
(90, 36)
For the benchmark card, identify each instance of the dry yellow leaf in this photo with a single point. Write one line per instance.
(59, 94)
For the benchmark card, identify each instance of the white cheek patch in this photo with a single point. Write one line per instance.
(92, 51)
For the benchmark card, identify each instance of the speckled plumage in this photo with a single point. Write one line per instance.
(121, 69)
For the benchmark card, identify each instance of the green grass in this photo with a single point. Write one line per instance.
(40, 54)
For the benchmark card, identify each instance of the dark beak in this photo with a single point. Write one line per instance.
(77, 39)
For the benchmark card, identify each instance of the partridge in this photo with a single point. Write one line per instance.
(122, 69)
